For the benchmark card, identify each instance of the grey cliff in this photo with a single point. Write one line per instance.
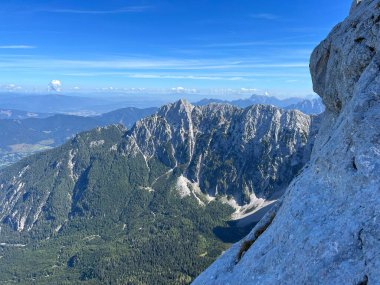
(326, 228)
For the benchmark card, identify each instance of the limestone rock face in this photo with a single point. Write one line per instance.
(326, 228)
(227, 150)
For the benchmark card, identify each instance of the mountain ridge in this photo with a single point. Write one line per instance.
(332, 236)
(188, 125)
(307, 106)
(148, 190)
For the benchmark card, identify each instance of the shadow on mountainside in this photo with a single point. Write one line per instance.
(238, 229)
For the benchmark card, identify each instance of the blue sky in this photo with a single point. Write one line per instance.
(246, 45)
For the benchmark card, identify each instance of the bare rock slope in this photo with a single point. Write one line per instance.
(326, 228)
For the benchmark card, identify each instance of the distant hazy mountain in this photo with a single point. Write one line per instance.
(23, 137)
(51, 103)
(126, 116)
(77, 105)
(17, 114)
(207, 101)
(312, 106)
(254, 99)
(147, 205)
(74, 105)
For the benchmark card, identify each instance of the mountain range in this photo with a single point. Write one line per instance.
(211, 193)
(151, 204)
(307, 106)
(20, 106)
(21, 138)
(27, 132)
(312, 107)
(81, 105)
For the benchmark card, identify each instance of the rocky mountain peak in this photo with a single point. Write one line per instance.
(240, 155)
(179, 107)
(224, 139)
(340, 60)
(325, 229)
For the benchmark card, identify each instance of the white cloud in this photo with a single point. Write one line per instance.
(182, 90)
(11, 87)
(55, 85)
(265, 16)
(178, 90)
(248, 90)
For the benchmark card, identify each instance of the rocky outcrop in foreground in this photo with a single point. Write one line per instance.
(326, 228)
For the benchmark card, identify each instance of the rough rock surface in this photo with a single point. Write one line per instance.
(227, 150)
(326, 228)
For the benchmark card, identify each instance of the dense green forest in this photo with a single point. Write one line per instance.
(114, 230)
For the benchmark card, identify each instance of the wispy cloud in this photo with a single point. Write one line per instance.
(229, 76)
(17, 47)
(124, 10)
(191, 77)
(265, 16)
(260, 43)
(168, 64)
